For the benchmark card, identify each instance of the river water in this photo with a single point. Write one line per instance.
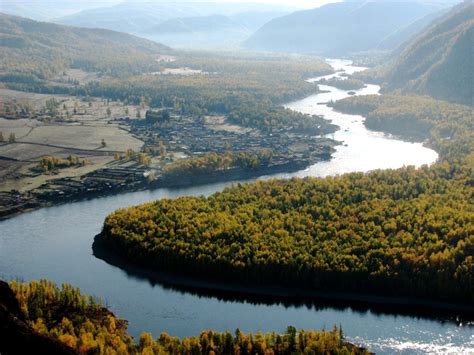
(55, 243)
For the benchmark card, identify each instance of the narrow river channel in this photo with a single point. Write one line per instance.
(55, 243)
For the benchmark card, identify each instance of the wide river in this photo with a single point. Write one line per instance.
(55, 243)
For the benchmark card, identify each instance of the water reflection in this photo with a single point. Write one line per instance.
(256, 295)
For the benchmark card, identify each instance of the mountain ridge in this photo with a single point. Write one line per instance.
(335, 29)
(439, 61)
(44, 49)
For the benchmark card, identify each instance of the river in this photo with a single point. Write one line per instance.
(55, 243)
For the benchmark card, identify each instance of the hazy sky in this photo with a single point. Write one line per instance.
(292, 3)
(91, 3)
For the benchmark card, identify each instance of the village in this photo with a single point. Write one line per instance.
(114, 152)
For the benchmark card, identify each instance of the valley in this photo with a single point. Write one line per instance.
(236, 178)
(165, 299)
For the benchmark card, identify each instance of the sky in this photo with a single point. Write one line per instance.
(308, 4)
(91, 3)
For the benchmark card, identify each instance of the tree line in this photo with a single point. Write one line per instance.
(84, 324)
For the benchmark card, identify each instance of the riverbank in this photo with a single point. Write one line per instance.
(274, 293)
(110, 181)
(411, 118)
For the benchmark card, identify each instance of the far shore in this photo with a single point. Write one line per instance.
(173, 183)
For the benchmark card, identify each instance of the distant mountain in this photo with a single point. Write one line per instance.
(209, 31)
(253, 20)
(49, 9)
(129, 17)
(404, 34)
(44, 49)
(340, 28)
(440, 61)
(197, 24)
(139, 16)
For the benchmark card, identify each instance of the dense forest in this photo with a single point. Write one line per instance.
(405, 232)
(86, 326)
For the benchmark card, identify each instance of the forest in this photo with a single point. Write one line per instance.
(405, 232)
(85, 325)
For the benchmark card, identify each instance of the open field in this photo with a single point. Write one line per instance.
(78, 129)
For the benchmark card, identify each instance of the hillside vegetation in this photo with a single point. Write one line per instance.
(64, 314)
(438, 62)
(41, 50)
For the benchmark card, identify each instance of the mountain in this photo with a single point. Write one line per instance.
(139, 16)
(210, 31)
(199, 32)
(49, 9)
(439, 61)
(339, 28)
(197, 24)
(404, 34)
(253, 20)
(44, 49)
(129, 17)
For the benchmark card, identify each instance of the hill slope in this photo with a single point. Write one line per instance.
(440, 61)
(196, 24)
(137, 17)
(407, 33)
(44, 49)
(210, 31)
(48, 10)
(340, 28)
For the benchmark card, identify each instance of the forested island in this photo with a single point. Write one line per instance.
(62, 320)
(405, 233)
(344, 84)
